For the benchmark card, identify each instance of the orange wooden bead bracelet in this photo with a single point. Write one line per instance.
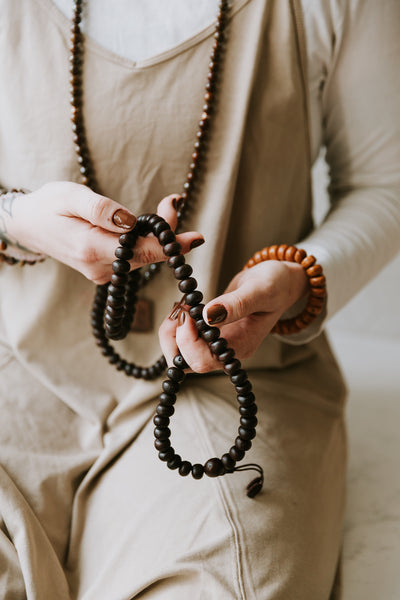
(316, 282)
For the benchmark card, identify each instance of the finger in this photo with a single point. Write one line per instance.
(167, 210)
(234, 305)
(98, 210)
(245, 335)
(148, 250)
(194, 349)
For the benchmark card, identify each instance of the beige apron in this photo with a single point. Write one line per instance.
(88, 490)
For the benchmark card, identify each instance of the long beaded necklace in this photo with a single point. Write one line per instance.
(114, 303)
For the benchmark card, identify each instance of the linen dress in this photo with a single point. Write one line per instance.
(87, 509)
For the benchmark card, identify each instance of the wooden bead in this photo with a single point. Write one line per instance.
(194, 298)
(236, 453)
(247, 434)
(185, 468)
(213, 467)
(162, 433)
(308, 261)
(243, 445)
(166, 455)
(197, 471)
(289, 253)
(314, 271)
(280, 253)
(228, 462)
(174, 462)
(317, 281)
(272, 252)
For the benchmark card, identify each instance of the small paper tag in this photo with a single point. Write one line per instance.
(143, 319)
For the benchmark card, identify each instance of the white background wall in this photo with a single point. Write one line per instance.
(366, 338)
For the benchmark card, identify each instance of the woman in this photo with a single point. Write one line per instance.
(88, 510)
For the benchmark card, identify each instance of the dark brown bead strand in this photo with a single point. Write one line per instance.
(110, 324)
(76, 63)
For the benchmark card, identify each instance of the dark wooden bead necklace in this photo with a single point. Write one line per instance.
(114, 304)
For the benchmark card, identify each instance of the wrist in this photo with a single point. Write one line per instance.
(316, 285)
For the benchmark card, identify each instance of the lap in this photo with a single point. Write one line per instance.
(142, 531)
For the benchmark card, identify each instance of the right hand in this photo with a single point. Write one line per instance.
(74, 225)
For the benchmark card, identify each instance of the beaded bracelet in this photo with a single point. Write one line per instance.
(112, 314)
(15, 255)
(316, 280)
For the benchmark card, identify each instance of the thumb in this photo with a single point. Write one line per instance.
(231, 306)
(100, 211)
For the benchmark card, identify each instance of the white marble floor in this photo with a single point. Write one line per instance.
(371, 568)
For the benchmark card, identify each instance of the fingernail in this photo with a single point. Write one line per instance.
(123, 218)
(197, 243)
(216, 314)
(181, 317)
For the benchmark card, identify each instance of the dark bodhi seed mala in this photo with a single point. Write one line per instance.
(136, 281)
(119, 307)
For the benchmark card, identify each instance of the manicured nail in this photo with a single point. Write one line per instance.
(181, 317)
(123, 218)
(216, 314)
(197, 243)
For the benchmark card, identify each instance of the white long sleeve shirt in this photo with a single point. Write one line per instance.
(353, 49)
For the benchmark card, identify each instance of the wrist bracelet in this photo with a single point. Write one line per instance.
(11, 254)
(316, 280)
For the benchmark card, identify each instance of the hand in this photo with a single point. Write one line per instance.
(72, 224)
(253, 302)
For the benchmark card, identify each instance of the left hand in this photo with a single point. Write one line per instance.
(253, 302)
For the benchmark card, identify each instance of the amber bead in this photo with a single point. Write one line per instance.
(280, 253)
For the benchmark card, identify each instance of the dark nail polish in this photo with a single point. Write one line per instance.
(181, 317)
(197, 243)
(123, 218)
(216, 314)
